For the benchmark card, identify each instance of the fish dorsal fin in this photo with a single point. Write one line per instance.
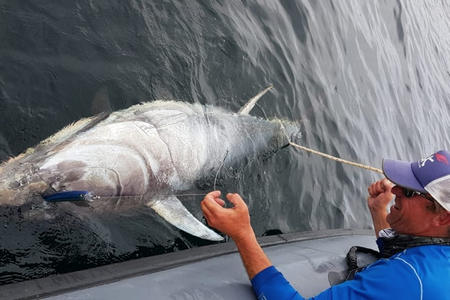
(68, 132)
(101, 102)
(57, 139)
(245, 110)
(74, 128)
(174, 212)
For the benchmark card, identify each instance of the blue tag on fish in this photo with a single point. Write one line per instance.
(68, 196)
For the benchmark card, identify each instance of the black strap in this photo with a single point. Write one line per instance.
(395, 244)
(352, 260)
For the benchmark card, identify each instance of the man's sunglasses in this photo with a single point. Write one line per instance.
(410, 193)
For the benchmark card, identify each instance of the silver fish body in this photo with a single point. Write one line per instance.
(142, 155)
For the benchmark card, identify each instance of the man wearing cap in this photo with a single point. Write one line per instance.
(414, 235)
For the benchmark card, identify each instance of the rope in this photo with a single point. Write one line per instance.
(337, 159)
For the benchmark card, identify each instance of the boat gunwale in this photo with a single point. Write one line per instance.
(88, 278)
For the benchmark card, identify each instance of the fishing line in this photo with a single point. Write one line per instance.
(218, 171)
(88, 196)
(69, 196)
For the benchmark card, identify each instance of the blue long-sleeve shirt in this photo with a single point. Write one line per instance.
(416, 273)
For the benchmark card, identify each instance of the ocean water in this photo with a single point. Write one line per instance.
(366, 80)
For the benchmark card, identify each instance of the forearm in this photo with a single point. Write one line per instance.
(267, 282)
(380, 195)
(252, 255)
(379, 219)
(270, 284)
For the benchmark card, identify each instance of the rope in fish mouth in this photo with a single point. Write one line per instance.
(359, 165)
(344, 161)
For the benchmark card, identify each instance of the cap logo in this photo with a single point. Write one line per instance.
(441, 158)
(423, 161)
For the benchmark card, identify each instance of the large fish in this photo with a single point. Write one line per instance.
(143, 155)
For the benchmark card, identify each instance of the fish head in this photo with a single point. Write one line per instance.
(101, 171)
(291, 130)
(80, 176)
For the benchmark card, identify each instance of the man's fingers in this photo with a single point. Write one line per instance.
(213, 202)
(387, 184)
(236, 200)
(213, 194)
(205, 210)
(373, 189)
(379, 187)
(219, 201)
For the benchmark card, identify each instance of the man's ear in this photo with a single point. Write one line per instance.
(442, 219)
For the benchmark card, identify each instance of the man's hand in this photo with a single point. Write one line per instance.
(379, 197)
(234, 221)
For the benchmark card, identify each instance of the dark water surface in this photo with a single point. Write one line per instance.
(365, 79)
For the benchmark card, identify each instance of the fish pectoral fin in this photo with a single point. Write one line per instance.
(174, 212)
(245, 110)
